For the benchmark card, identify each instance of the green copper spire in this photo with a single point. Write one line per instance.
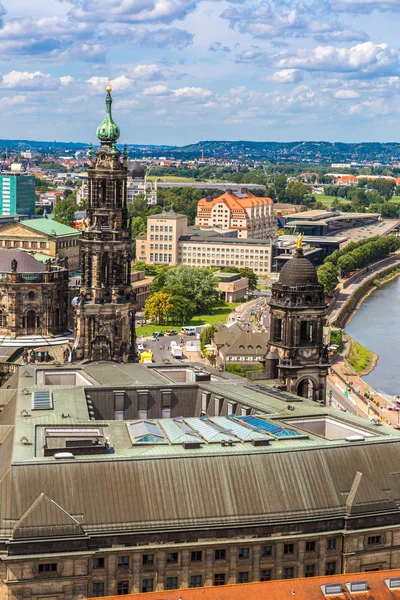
(108, 132)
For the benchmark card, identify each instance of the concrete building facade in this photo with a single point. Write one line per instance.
(169, 240)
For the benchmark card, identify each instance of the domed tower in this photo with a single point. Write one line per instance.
(296, 351)
(137, 171)
(104, 313)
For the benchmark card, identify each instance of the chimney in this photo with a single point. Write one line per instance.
(209, 199)
(244, 190)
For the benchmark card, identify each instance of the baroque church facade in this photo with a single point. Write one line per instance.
(105, 308)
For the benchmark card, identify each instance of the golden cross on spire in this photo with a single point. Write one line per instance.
(109, 88)
(299, 242)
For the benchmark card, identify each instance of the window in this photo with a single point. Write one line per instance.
(306, 331)
(266, 551)
(147, 585)
(48, 568)
(220, 554)
(278, 330)
(374, 540)
(243, 553)
(330, 568)
(172, 583)
(310, 546)
(197, 556)
(309, 571)
(243, 577)
(288, 549)
(122, 587)
(266, 575)
(123, 561)
(195, 581)
(148, 559)
(219, 579)
(331, 544)
(172, 557)
(288, 573)
(98, 589)
(98, 563)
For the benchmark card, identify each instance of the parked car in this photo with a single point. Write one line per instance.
(140, 347)
(171, 332)
(158, 333)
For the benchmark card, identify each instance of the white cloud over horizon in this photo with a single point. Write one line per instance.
(185, 70)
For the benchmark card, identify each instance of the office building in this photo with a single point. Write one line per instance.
(169, 240)
(17, 194)
(242, 212)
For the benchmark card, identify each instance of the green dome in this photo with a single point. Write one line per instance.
(108, 131)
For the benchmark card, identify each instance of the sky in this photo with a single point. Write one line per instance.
(190, 70)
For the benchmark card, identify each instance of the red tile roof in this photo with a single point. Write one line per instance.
(298, 589)
(233, 202)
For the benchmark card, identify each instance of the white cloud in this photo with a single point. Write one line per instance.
(366, 59)
(346, 94)
(364, 6)
(285, 76)
(28, 81)
(132, 11)
(156, 90)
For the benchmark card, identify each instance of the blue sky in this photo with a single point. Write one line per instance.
(189, 70)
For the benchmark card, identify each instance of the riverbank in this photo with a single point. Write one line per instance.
(361, 359)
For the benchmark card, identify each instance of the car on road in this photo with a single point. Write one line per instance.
(171, 332)
(158, 333)
(140, 347)
(155, 337)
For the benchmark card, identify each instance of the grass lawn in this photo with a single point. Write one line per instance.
(219, 314)
(359, 357)
(395, 200)
(327, 200)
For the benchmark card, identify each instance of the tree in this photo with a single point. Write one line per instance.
(199, 283)
(280, 183)
(67, 192)
(328, 276)
(296, 191)
(138, 207)
(183, 310)
(385, 187)
(207, 335)
(158, 307)
(64, 211)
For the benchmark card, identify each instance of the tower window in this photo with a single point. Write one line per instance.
(306, 331)
(278, 330)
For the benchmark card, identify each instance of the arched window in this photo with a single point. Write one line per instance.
(57, 317)
(105, 268)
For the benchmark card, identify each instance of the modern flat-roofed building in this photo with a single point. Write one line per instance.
(169, 240)
(17, 194)
(243, 212)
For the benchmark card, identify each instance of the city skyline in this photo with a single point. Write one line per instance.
(188, 70)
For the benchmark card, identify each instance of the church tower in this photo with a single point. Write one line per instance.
(105, 308)
(297, 354)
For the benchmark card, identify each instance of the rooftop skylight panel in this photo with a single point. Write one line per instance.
(209, 431)
(269, 427)
(42, 400)
(240, 431)
(141, 429)
(177, 431)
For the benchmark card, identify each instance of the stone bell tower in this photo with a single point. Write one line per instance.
(296, 351)
(105, 307)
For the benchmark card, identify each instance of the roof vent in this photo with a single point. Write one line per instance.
(354, 438)
(357, 586)
(260, 443)
(191, 445)
(332, 589)
(393, 583)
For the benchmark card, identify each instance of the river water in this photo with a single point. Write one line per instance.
(376, 325)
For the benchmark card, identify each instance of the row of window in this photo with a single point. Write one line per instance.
(196, 581)
(161, 238)
(23, 244)
(222, 261)
(166, 247)
(202, 249)
(220, 553)
(159, 258)
(67, 244)
(160, 227)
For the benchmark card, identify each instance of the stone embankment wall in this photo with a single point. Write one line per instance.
(360, 294)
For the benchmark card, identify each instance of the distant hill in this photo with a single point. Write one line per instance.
(312, 152)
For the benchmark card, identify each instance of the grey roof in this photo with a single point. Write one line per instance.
(299, 477)
(238, 340)
(25, 262)
(169, 215)
(198, 236)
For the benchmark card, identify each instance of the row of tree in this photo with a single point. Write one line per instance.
(355, 256)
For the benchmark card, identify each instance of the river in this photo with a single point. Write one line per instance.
(376, 325)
